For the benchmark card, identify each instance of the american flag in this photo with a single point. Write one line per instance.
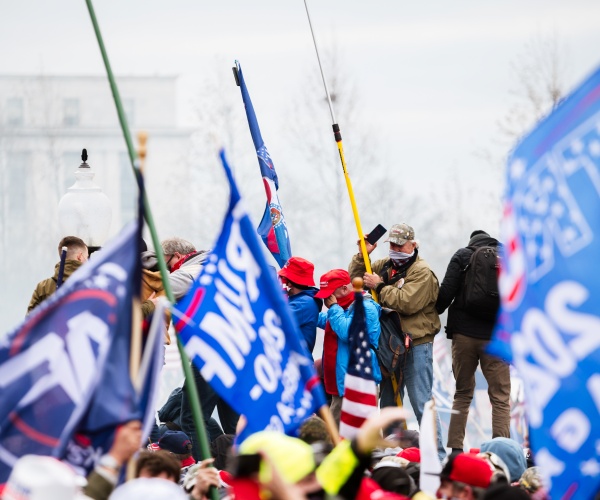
(360, 393)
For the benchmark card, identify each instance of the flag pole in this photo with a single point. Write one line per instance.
(189, 378)
(338, 139)
(61, 268)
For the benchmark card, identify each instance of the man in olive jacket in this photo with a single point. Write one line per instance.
(405, 282)
(77, 254)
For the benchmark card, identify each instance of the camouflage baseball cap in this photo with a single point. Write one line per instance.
(400, 234)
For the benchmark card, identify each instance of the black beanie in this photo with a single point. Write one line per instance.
(478, 231)
(477, 236)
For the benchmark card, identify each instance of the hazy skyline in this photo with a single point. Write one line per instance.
(429, 74)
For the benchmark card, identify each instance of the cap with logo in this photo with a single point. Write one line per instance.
(299, 271)
(401, 233)
(331, 281)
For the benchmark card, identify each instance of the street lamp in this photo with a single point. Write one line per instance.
(85, 211)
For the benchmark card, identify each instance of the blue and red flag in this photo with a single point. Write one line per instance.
(238, 330)
(272, 228)
(549, 320)
(64, 373)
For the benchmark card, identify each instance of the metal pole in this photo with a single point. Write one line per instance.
(190, 384)
(338, 139)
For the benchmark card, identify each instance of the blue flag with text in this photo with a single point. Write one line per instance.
(272, 228)
(549, 321)
(64, 373)
(238, 330)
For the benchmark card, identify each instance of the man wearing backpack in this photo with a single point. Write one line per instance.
(405, 283)
(470, 288)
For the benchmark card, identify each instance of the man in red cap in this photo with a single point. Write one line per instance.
(297, 276)
(465, 476)
(338, 293)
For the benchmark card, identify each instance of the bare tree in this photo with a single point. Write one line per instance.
(319, 185)
(539, 84)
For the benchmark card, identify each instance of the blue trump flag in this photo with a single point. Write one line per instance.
(64, 373)
(238, 330)
(272, 229)
(549, 321)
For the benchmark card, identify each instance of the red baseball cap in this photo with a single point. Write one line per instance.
(468, 468)
(299, 271)
(411, 454)
(332, 280)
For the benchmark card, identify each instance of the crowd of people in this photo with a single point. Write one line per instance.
(382, 460)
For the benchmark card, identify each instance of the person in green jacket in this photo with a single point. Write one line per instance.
(77, 254)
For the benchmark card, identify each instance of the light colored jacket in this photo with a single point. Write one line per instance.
(182, 279)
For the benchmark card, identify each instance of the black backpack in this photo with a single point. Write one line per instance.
(480, 295)
(393, 345)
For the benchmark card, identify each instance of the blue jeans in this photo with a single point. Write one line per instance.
(418, 381)
(209, 399)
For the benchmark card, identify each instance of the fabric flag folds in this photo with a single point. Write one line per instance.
(272, 229)
(360, 393)
(64, 379)
(238, 331)
(429, 479)
(549, 321)
(148, 379)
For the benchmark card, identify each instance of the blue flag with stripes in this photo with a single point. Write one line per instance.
(549, 321)
(238, 330)
(272, 228)
(64, 373)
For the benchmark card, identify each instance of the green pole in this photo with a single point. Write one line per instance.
(190, 384)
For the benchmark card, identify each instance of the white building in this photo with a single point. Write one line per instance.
(45, 122)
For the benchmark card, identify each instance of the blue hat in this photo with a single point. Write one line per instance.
(510, 452)
(176, 442)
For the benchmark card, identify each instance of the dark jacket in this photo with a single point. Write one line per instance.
(306, 311)
(459, 320)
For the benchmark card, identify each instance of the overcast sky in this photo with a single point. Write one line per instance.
(434, 76)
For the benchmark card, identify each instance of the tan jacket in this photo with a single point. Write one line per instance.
(414, 300)
(152, 283)
(45, 288)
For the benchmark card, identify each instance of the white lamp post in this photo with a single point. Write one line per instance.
(85, 211)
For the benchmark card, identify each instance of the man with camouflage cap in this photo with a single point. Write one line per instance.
(405, 282)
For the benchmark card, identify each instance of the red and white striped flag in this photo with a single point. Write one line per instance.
(360, 390)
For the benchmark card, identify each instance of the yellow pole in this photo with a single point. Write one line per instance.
(338, 139)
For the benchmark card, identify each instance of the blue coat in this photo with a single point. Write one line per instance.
(340, 321)
(306, 311)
